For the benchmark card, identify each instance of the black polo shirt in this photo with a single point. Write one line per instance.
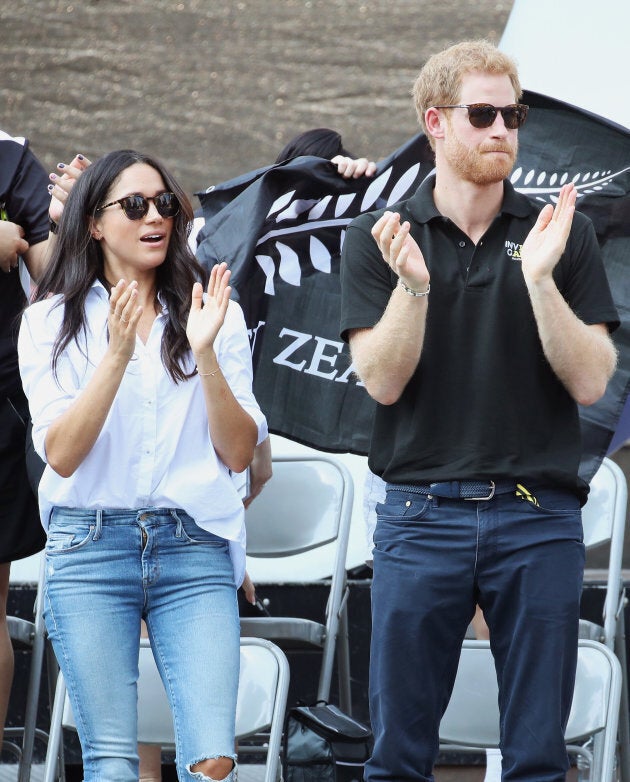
(483, 402)
(25, 199)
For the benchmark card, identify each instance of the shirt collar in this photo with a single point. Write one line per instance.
(423, 209)
(99, 290)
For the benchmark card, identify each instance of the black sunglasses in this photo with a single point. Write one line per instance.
(483, 115)
(136, 207)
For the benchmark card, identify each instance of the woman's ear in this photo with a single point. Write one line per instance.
(95, 231)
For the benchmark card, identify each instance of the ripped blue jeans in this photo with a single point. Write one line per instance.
(105, 570)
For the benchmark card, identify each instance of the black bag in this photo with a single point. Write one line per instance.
(322, 744)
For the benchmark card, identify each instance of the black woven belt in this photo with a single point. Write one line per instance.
(457, 490)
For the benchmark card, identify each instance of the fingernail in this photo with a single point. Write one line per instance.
(53, 177)
(61, 165)
(80, 157)
(50, 188)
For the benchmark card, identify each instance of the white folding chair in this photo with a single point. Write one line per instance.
(604, 522)
(306, 505)
(471, 721)
(30, 635)
(262, 695)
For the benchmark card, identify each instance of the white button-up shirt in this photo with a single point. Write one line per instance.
(154, 449)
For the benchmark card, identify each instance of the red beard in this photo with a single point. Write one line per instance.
(477, 164)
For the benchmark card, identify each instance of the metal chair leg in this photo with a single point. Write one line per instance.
(624, 712)
(55, 738)
(343, 662)
(32, 701)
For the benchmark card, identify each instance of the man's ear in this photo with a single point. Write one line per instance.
(434, 120)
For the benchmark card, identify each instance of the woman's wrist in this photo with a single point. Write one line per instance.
(207, 364)
(212, 373)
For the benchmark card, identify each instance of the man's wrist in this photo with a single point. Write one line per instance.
(413, 292)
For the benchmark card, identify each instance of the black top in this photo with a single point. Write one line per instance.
(483, 402)
(25, 199)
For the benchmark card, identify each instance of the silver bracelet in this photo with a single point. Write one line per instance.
(207, 374)
(411, 291)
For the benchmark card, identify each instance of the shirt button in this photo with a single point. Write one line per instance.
(462, 243)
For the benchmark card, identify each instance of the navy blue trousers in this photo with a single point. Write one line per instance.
(434, 559)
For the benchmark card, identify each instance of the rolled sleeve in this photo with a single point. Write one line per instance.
(48, 396)
(235, 359)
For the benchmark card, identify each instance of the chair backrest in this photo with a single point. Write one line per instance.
(604, 521)
(604, 515)
(260, 688)
(26, 571)
(262, 695)
(300, 508)
(472, 716)
(304, 512)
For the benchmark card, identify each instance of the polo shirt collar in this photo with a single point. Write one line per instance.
(423, 209)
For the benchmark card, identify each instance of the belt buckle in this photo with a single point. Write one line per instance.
(482, 499)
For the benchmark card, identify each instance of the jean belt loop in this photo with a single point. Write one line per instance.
(179, 530)
(99, 524)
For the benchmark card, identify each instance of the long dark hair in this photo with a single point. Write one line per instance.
(320, 142)
(77, 259)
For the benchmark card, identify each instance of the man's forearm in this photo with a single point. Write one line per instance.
(386, 356)
(582, 356)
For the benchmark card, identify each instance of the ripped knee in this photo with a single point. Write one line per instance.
(217, 769)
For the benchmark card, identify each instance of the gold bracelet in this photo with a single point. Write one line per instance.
(411, 291)
(207, 374)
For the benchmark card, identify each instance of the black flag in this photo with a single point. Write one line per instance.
(281, 235)
(560, 143)
(281, 229)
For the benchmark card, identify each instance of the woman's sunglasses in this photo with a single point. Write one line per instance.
(483, 115)
(136, 207)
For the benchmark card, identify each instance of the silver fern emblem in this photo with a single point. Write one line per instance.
(337, 211)
(545, 187)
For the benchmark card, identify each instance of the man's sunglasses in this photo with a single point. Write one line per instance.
(483, 115)
(136, 207)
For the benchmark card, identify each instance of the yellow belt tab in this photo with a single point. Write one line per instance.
(525, 494)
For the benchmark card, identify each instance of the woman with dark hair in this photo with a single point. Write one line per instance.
(321, 142)
(139, 385)
(327, 143)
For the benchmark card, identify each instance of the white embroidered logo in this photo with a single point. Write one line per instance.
(513, 250)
